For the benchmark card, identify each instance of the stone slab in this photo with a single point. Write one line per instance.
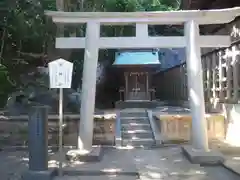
(94, 155)
(69, 172)
(101, 177)
(39, 175)
(117, 162)
(118, 142)
(196, 156)
(233, 164)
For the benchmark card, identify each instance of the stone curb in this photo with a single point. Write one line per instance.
(14, 148)
(231, 169)
(98, 173)
(94, 156)
(25, 148)
(55, 148)
(39, 175)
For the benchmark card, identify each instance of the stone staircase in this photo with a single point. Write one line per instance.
(136, 129)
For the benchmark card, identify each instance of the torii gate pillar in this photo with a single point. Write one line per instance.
(195, 86)
(85, 152)
(86, 124)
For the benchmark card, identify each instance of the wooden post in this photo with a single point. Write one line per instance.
(147, 86)
(220, 67)
(208, 78)
(214, 79)
(228, 75)
(203, 60)
(235, 64)
(61, 132)
(126, 86)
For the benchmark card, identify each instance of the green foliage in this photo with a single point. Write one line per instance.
(122, 5)
(27, 37)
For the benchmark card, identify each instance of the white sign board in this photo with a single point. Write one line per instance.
(60, 73)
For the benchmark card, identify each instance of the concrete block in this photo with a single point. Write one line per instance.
(118, 142)
(94, 155)
(197, 156)
(39, 175)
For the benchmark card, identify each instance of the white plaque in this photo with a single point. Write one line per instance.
(60, 73)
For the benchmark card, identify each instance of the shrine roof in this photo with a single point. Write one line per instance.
(163, 58)
(137, 58)
(171, 57)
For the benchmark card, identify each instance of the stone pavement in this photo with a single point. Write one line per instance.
(232, 163)
(162, 164)
(101, 177)
(13, 164)
(171, 165)
(155, 164)
(231, 154)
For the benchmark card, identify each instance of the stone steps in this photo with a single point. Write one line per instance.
(132, 114)
(136, 127)
(136, 130)
(143, 142)
(140, 120)
(146, 134)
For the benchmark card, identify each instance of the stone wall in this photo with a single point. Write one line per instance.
(104, 132)
(15, 133)
(173, 128)
(178, 127)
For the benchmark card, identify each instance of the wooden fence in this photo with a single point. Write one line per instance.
(221, 74)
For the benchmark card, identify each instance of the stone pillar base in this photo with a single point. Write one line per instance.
(94, 155)
(39, 175)
(196, 156)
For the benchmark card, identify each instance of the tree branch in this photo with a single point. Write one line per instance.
(33, 55)
(3, 43)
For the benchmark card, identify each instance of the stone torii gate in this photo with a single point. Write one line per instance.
(192, 41)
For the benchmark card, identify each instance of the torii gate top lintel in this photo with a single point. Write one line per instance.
(215, 16)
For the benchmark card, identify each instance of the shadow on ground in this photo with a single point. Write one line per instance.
(162, 164)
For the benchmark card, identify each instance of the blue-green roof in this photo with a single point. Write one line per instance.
(137, 58)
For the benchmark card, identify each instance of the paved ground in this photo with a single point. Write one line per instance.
(12, 165)
(161, 164)
(233, 163)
